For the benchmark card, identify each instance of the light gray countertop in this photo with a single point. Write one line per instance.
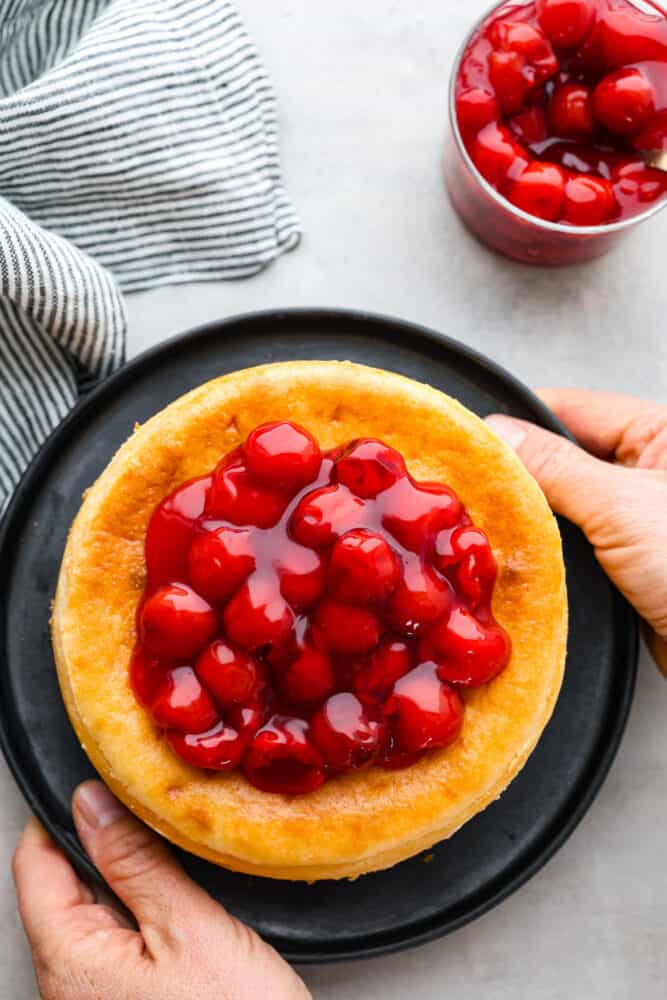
(362, 96)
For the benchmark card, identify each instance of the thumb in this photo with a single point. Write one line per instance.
(136, 864)
(576, 485)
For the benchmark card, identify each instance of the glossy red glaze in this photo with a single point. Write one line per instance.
(314, 614)
(578, 84)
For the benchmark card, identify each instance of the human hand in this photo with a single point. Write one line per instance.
(617, 494)
(186, 948)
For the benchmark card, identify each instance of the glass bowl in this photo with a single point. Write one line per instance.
(500, 224)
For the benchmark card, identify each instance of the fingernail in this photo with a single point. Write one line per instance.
(510, 430)
(96, 805)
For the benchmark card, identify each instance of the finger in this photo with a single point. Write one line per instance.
(576, 485)
(608, 424)
(137, 865)
(47, 886)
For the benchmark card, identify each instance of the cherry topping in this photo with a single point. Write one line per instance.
(624, 101)
(236, 497)
(219, 749)
(310, 678)
(654, 136)
(420, 599)
(539, 190)
(373, 680)
(413, 516)
(428, 714)
(176, 622)
(566, 22)
(147, 675)
(171, 530)
(506, 73)
(467, 554)
(302, 576)
(589, 201)
(347, 629)
(219, 561)
(182, 703)
(282, 759)
(571, 111)
(283, 455)
(329, 594)
(530, 126)
(466, 651)
(258, 616)
(475, 108)
(324, 515)
(369, 467)
(344, 734)
(363, 568)
(232, 677)
(496, 152)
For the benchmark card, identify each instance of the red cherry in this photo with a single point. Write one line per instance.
(529, 42)
(176, 623)
(309, 678)
(324, 515)
(246, 721)
(393, 758)
(219, 561)
(284, 455)
(428, 714)
(639, 185)
(231, 676)
(235, 497)
(506, 73)
(302, 576)
(413, 513)
(217, 750)
(282, 759)
(523, 58)
(566, 22)
(475, 108)
(147, 675)
(466, 651)
(466, 550)
(347, 629)
(530, 126)
(654, 136)
(496, 153)
(171, 530)
(363, 568)
(183, 704)
(420, 599)
(622, 37)
(369, 467)
(589, 201)
(571, 111)
(373, 681)
(539, 191)
(258, 616)
(624, 101)
(344, 734)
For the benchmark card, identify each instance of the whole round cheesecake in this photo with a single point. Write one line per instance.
(311, 619)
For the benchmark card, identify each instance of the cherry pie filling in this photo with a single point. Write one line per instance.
(308, 613)
(556, 99)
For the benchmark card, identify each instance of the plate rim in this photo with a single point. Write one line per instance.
(392, 328)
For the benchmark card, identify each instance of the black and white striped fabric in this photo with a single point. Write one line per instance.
(138, 148)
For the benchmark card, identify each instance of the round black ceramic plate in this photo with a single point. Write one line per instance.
(494, 853)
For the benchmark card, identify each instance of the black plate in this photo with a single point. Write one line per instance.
(494, 853)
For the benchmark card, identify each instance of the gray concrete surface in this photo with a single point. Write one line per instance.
(362, 98)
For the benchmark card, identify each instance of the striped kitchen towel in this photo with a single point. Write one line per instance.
(138, 148)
